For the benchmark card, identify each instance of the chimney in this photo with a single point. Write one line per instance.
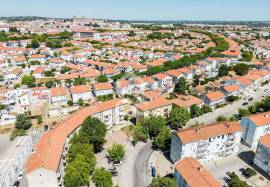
(200, 168)
(266, 116)
(227, 125)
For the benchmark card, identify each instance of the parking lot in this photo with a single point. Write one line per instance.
(234, 164)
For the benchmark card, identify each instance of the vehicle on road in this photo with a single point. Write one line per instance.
(16, 184)
(245, 103)
(250, 99)
(20, 177)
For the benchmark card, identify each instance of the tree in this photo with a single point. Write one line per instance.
(247, 56)
(116, 152)
(241, 69)
(234, 181)
(153, 125)
(178, 117)
(195, 111)
(102, 178)
(81, 167)
(102, 78)
(182, 86)
(72, 177)
(80, 102)
(93, 131)
(39, 119)
(140, 134)
(35, 44)
(223, 70)
(79, 81)
(49, 84)
(70, 103)
(221, 118)
(28, 80)
(17, 132)
(163, 139)
(22, 122)
(163, 182)
(206, 109)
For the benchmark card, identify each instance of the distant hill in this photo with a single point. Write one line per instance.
(23, 18)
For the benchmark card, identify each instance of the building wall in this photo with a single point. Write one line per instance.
(103, 92)
(262, 158)
(16, 161)
(176, 148)
(252, 133)
(85, 96)
(180, 181)
(207, 150)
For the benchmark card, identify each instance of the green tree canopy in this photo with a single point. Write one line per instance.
(241, 69)
(28, 80)
(116, 152)
(195, 111)
(182, 86)
(22, 122)
(163, 139)
(93, 131)
(178, 117)
(102, 178)
(102, 78)
(163, 182)
(223, 70)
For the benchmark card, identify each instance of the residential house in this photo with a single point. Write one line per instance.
(157, 107)
(59, 96)
(81, 92)
(214, 98)
(101, 89)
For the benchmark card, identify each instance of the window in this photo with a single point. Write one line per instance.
(266, 163)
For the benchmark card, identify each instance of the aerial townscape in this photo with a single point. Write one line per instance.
(106, 102)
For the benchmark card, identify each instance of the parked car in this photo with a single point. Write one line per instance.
(20, 177)
(245, 103)
(16, 184)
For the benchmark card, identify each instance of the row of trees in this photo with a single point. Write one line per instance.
(81, 159)
(221, 45)
(258, 107)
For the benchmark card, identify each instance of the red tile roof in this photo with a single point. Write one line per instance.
(205, 132)
(195, 174)
(49, 149)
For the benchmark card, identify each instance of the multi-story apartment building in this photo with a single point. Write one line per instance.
(13, 159)
(44, 168)
(206, 143)
(190, 173)
(262, 156)
(254, 127)
(156, 107)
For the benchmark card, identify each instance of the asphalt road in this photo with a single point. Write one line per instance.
(233, 108)
(141, 166)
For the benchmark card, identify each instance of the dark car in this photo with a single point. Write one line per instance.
(245, 103)
(16, 184)
(250, 99)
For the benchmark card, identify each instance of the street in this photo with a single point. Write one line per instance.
(141, 166)
(232, 108)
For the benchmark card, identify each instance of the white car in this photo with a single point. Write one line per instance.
(21, 175)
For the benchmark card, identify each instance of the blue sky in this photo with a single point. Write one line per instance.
(231, 10)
